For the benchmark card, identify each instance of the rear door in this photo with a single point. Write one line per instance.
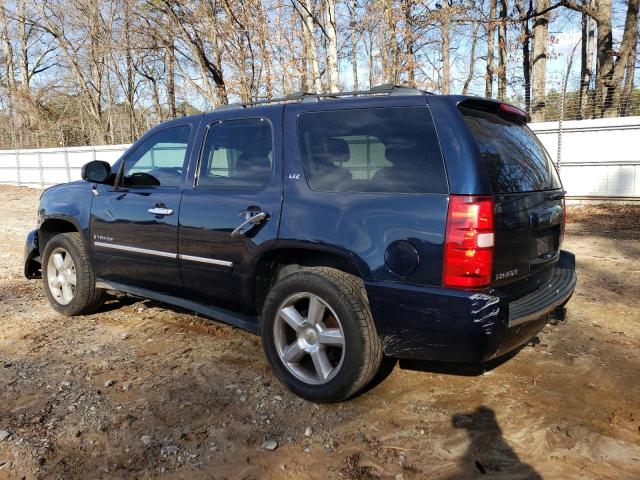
(529, 200)
(238, 177)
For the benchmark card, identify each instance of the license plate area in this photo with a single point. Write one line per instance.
(545, 245)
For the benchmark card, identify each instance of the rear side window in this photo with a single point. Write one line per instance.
(390, 150)
(515, 159)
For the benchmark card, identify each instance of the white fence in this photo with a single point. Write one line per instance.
(49, 166)
(599, 158)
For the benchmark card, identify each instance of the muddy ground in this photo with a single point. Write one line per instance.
(141, 390)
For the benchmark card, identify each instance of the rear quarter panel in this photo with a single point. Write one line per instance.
(360, 226)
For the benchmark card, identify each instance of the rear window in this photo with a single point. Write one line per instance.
(515, 159)
(390, 150)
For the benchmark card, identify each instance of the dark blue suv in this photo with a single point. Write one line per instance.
(344, 228)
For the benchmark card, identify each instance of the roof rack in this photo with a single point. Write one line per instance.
(385, 89)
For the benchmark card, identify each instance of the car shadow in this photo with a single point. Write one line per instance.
(459, 368)
(114, 302)
(488, 453)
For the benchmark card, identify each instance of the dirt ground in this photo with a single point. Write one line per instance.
(141, 390)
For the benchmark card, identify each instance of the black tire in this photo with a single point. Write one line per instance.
(345, 295)
(86, 297)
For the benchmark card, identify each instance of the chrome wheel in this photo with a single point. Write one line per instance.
(309, 338)
(61, 276)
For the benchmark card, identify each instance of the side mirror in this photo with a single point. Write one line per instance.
(96, 171)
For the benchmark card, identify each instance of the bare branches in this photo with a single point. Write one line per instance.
(90, 71)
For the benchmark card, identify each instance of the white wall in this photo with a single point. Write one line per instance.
(48, 166)
(598, 158)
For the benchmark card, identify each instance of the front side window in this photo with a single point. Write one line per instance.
(237, 154)
(159, 161)
(389, 150)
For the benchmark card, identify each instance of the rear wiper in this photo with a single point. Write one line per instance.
(555, 195)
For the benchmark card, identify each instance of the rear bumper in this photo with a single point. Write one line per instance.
(433, 323)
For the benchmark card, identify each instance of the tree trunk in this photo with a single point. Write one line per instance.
(502, 51)
(472, 59)
(539, 67)
(25, 91)
(309, 38)
(605, 65)
(628, 81)
(391, 50)
(305, 68)
(353, 26)
(626, 55)
(525, 38)
(332, 45)
(409, 61)
(171, 74)
(156, 99)
(488, 79)
(130, 93)
(446, 64)
(586, 63)
(7, 49)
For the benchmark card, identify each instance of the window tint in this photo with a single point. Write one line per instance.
(515, 159)
(392, 150)
(237, 154)
(159, 160)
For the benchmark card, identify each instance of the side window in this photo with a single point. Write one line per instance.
(390, 150)
(237, 154)
(159, 161)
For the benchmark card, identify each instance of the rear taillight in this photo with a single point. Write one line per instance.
(468, 246)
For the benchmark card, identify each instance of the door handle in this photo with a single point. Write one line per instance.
(158, 210)
(248, 225)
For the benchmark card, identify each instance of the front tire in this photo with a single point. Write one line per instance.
(318, 334)
(69, 283)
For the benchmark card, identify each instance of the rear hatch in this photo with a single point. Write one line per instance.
(528, 196)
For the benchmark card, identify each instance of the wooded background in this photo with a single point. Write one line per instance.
(86, 72)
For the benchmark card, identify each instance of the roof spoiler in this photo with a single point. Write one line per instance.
(494, 106)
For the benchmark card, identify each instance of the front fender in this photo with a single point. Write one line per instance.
(32, 262)
(69, 202)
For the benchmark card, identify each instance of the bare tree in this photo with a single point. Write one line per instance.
(539, 64)
(586, 61)
(332, 45)
(472, 59)
(525, 8)
(490, 26)
(502, 51)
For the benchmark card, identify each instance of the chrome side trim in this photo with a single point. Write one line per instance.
(212, 261)
(126, 248)
(191, 258)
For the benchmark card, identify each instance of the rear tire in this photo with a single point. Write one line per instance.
(318, 334)
(69, 282)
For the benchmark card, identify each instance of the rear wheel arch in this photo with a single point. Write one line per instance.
(278, 263)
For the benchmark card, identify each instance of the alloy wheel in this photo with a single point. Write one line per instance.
(309, 338)
(61, 276)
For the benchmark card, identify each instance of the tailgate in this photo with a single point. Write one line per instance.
(528, 231)
(528, 195)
